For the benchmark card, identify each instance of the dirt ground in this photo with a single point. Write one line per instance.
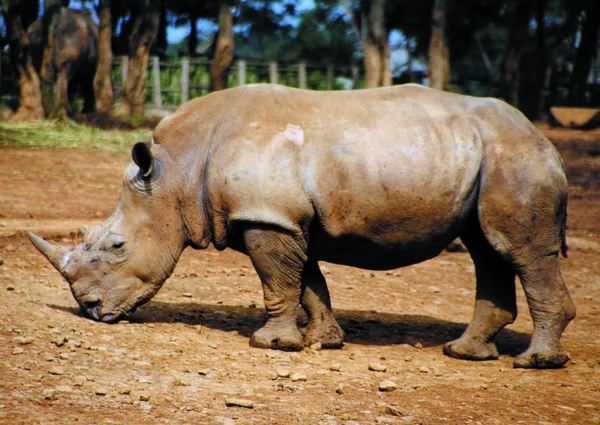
(179, 358)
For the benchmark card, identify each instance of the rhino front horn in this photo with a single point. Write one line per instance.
(53, 253)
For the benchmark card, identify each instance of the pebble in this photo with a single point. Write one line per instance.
(387, 386)
(23, 340)
(49, 394)
(17, 351)
(283, 372)
(144, 380)
(78, 381)
(408, 359)
(56, 371)
(203, 372)
(187, 295)
(391, 410)
(340, 389)
(144, 396)
(317, 346)
(299, 377)
(336, 367)
(418, 345)
(239, 402)
(377, 367)
(60, 340)
(100, 391)
(424, 369)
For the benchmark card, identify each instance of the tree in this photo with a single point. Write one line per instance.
(438, 72)
(145, 15)
(376, 49)
(29, 83)
(223, 51)
(519, 14)
(102, 82)
(585, 52)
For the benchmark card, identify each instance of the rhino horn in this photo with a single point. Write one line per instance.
(54, 254)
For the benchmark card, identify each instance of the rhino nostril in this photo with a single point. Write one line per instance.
(92, 309)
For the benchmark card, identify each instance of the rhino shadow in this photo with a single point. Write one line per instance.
(361, 327)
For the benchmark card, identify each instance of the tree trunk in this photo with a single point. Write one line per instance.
(102, 82)
(145, 28)
(223, 57)
(585, 53)
(541, 80)
(29, 83)
(438, 72)
(520, 13)
(376, 51)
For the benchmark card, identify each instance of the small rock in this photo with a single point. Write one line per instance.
(336, 367)
(317, 346)
(182, 383)
(203, 372)
(283, 372)
(56, 371)
(391, 410)
(126, 391)
(213, 345)
(387, 386)
(9, 248)
(1, 261)
(187, 295)
(424, 369)
(17, 351)
(408, 359)
(23, 340)
(49, 394)
(418, 345)
(100, 391)
(377, 367)
(60, 340)
(144, 380)
(78, 381)
(239, 402)
(10, 288)
(64, 356)
(144, 396)
(340, 389)
(298, 377)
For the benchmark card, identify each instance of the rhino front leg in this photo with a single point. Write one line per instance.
(322, 326)
(279, 259)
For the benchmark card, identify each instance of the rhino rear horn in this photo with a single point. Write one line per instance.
(54, 254)
(142, 156)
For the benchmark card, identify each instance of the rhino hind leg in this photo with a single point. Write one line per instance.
(551, 309)
(322, 326)
(279, 259)
(495, 304)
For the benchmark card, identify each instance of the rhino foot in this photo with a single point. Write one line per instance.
(286, 338)
(471, 350)
(329, 334)
(540, 360)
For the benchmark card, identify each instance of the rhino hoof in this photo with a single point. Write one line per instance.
(541, 360)
(267, 338)
(459, 349)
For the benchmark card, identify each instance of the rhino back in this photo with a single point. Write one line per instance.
(388, 169)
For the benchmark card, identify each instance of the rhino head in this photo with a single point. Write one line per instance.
(121, 264)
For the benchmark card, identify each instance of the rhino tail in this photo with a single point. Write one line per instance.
(563, 230)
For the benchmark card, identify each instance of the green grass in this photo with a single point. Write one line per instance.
(56, 134)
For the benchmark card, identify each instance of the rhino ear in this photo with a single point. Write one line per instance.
(142, 156)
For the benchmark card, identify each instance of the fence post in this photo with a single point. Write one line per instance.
(156, 81)
(185, 80)
(329, 76)
(302, 75)
(355, 77)
(241, 70)
(273, 74)
(124, 66)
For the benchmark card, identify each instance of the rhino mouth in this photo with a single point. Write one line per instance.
(94, 312)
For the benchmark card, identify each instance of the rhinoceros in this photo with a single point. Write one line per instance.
(376, 179)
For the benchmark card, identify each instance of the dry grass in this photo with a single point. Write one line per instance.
(60, 134)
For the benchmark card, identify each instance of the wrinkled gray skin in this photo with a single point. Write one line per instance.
(376, 179)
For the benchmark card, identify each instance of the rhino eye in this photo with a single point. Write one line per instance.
(118, 245)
